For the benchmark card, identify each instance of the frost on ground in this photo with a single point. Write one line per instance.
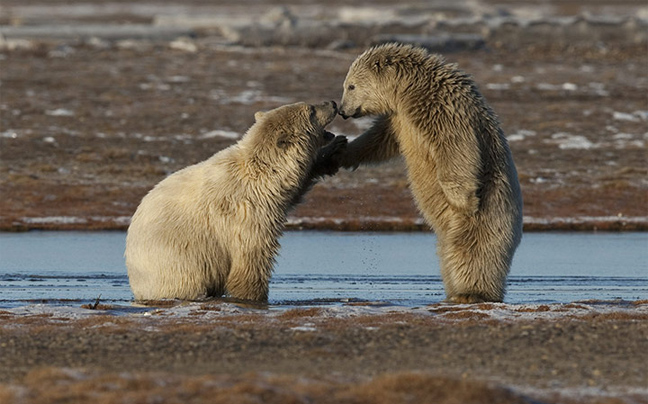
(315, 312)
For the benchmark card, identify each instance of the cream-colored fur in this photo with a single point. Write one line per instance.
(460, 168)
(212, 228)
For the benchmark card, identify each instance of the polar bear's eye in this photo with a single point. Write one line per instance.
(351, 87)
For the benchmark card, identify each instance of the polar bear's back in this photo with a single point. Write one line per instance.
(174, 232)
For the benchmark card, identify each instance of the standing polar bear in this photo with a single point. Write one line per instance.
(459, 165)
(213, 228)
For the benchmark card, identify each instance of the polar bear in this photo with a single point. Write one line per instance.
(459, 165)
(212, 228)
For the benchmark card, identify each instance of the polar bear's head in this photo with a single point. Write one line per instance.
(376, 78)
(297, 129)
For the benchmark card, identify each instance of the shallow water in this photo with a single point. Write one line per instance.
(330, 267)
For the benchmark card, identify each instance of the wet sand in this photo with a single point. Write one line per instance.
(583, 352)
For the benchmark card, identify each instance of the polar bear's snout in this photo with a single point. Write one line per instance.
(325, 112)
(346, 114)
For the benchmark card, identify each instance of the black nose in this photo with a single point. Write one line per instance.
(334, 105)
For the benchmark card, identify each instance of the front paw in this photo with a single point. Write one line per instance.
(328, 157)
(335, 148)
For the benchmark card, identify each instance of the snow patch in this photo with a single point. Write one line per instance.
(154, 86)
(61, 220)
(635, 116)
(555, 87)
(247, 97)
(195, 311)
(367, 15)
(307, 327)
(569, 87)
(622, 116)
(59, 112)
(599, 89)
(220, 133)
(184, 44)
(179, 79)
(498, 86)
(54, 220)
(567, 141)
(584, 219)
(520, 135)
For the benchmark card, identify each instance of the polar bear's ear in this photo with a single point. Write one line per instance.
(258, 115)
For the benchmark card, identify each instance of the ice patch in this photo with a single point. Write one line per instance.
(179, 79)
(569, 87)
(546, 87)
(633, 144)
(620, 136)
(584, 220)
(307, 327)
(54, 220)
(520, 135)
(220, 133)
(183, 44)
(568, 141)
(643, 115)
(599, 89)
(154, 86)
(622, 116)
(59, 112)
(636, 116)
(498, 86)
(366, 15)
(196, 312)
(555, 87)
(120, 220)
(9, 134)
(63, 220)
(247, 97)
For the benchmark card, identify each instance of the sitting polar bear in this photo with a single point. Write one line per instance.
(212, 228)
(459, 165)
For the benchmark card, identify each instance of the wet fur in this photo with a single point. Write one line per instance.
(213, 228)
(460, 168)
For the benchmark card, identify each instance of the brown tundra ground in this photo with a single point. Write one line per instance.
(89, 125)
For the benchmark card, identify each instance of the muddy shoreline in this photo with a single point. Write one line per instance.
(583, 352)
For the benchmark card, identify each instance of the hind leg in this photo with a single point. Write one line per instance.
(249, 277)
(473, 272)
